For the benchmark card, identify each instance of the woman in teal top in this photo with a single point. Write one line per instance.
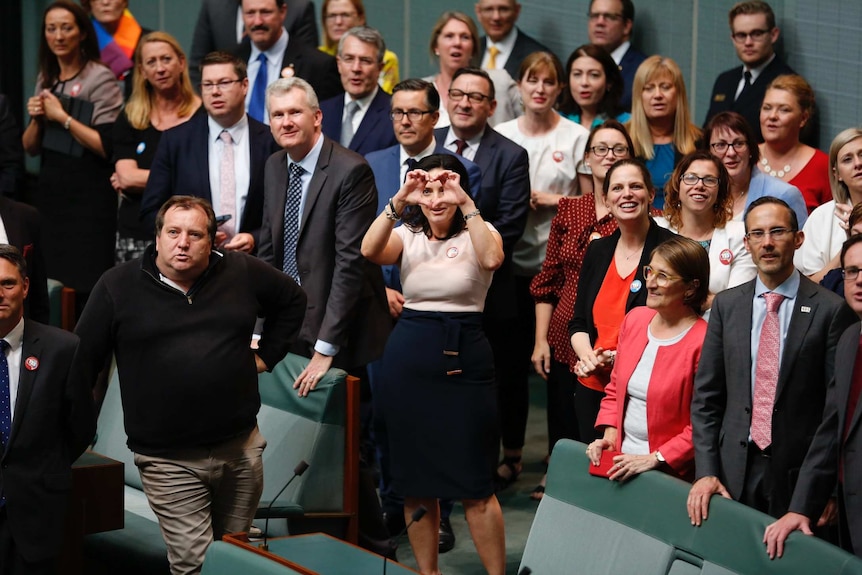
(595, 88)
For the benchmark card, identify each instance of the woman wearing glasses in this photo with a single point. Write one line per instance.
(554, 146)
(646, 411)
(731, 139)
(825, 229)
(578, 222)
(611, 283)
(698, 207)
(162, 97)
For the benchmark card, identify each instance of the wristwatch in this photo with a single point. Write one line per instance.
(659, 457)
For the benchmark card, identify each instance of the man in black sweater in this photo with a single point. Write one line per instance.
(179, 322)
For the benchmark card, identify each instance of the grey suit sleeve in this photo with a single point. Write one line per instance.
(709, 399)
(355, 210)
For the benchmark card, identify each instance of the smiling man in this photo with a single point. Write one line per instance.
(758, 400)
(359, 119)
(179, 322)
(218, 155)
(754, 33)
(271, 53)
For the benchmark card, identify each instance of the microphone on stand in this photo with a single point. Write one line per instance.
(525, 571)
(300, 468)
(418, 514)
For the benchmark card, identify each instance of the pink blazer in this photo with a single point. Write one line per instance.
(669, 393)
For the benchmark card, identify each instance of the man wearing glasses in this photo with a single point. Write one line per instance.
(218, 155)
(834, 454)
(741, 89)
(758, 400)
(610, 26)
(504, 45)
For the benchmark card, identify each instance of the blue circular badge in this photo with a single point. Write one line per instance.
(141, 147)
(636, 286)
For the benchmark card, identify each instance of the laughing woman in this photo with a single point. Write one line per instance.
(437, 359)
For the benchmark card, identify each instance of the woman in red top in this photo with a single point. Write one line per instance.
(646, 412)
(786, 109)
(611, 283)
(579, 221)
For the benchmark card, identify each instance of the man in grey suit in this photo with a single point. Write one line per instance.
(220, 27)
(758, 401)
(834, 455)
(313, 232)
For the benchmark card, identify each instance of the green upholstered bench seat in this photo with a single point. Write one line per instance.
(595, 526)
(226, 559)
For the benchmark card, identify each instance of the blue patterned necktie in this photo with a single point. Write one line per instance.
(257, 104)
(291, 221)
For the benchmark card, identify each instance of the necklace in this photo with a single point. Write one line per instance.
(775, 173)
(637, 250)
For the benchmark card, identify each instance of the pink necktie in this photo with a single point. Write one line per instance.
(766, 373)
(227, 201)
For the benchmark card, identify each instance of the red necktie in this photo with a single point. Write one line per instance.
(459, 146)
(766, 373)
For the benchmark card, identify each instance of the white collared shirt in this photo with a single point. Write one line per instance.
(470, 149)
(364, 104)
(621, 50)
(241, 163)
(755, 72)
(4, 237)
(13, 356)
(402, 163)
(505, 47)
(274, 57)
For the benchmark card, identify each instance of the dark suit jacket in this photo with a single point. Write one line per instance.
(748, 105)
(722, 401)
(597, 260)
(628, 66)
(347, 303)
(504, 200)
(181, 166)
(216, 29)
(524, 46)
(54, 422)
(819, 473)
(375, 131)
(23, 227)
(309, 63)
(11, 151)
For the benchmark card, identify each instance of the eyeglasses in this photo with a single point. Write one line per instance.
(721, 147)
(343, 15)
(601, 150)
(412, 115)
(757, 236)
(756, 35)
(474, 97)
(222, 85)
(501, 10)
(850, 273)
(661, 279)
(350, 60)
(691, 179)
(609, 16)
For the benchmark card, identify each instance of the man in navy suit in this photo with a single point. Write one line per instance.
(271, 53)
(190, 157)
(220, 27)
(359, 119)
(741, 89)
(610, 26)
(414, 112)
(47, 419)
(504, 45)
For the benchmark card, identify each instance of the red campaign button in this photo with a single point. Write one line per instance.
(726, 256)
(558, 157)
(31, 363)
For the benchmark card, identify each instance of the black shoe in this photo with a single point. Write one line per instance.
(394, 521)
(447, 536)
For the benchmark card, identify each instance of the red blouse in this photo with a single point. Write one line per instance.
(572, 230)
(813, 181)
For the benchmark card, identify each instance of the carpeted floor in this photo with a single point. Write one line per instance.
(518, 508)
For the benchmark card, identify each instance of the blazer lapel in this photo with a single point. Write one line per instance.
(318, 179)
(32, 347)
(844, 373)
(803, 312)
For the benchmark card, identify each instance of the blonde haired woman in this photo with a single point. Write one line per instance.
(162, 97)
(661, 126)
